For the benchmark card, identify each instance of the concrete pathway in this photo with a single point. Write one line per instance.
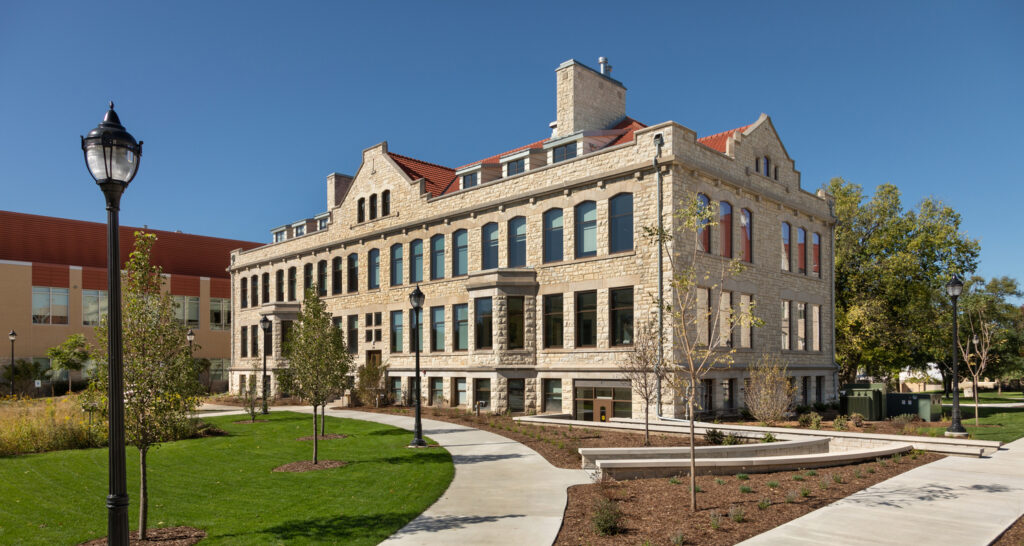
(959, 501)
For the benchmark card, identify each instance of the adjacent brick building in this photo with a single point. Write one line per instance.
(534, 265)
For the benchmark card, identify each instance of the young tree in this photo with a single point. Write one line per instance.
(640, 369)
(370, 381)
(317, 358)
(988, 319)
(770, 393)
(160, 388)
(70, 355)
(250, 396)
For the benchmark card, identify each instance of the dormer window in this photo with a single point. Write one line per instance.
(279, 236)
(321, 224)
(469, 180)
(515, 167)
(563, 152)
(300, 230)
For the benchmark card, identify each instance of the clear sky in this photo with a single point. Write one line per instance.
(246, 107)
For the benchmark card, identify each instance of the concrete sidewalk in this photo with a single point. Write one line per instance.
(959, 501)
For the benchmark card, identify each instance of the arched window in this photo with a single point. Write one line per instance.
(586, 229)
(361, 210)
(336, 275)
(244, 288)
(307, 278)
(373, 269)
(416, 261)
(437, 257)
(747, 235)
(785, 246)
(396, 264)
(517, 242)
(373, 207)
(266, 288)
(292, 273)
(704, 234)
(816, 254)
(767, 164)
(489, 246)
(620, 220)
(279, 282)
(254, 283)
(353, 272)
(725, 227)
(321, 277)
(385, 203)
(553, 236)
(460, 254)
(801, 251)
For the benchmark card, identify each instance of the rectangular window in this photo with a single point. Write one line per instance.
(396, 390)
(785, 325)
(307, 278)
(286, 328)
(516, 322)
(437, 257)
(729, 396)
(460, 341)
(353, 273)
(49, 305)
(416, 261)
(396, 331)
(186, 310)
(279, 284)
(291, 284)
(620, 306)
(482, 392)
(266, 287)
(489, 246)
(801, 326)
(801, 251)
(278, 236)
(586, 319)
(436, 391)
(94, 306)
(220, 314)
(586, 229)
(785, 246)
(819, 388)
(268, 341)
(515, 167)
(254, 282)
(553, 321)
(815, 328)
(816, 255)
(516, 395)
(620, 223)
(703, 316)
(321, 224)
(725, 319)
(553, 236)
(747, 235)
(552, 395)
(300, 231)
(460, 256)
(417, 329)
(563, 152)
(623, 402)
(373, 270)
(396, 265)
(244, 289)
(517, 242)
(468, 180)
(482, 318)
(437, 328)
(461, 392)
(254, 341)
(745, 321)
(245, 341)
(352, 334)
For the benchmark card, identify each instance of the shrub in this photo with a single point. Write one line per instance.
(909, 430)
(746, 489)
(764, 503)
(857, 419)
(697, 489)
(823, 485)
(857, 474)
(798, 478)
(815, 420)
(719, 481)
(840, 422)
(607, 517)
(791, 496)
(737, 514)
(742, 477)
(804, 492)
(773, 484)
(679, 539)
(716, 520)
(837, 478)
(804, 420)
(871, 470)
(768, 438)
(36, 426)
(906, 419)
(731, 440)
(812, 472)
(714, 437)
(820, 406)
(674, 481)
(897, 457)
(770, 392)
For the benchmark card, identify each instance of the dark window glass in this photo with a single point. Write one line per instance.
(396, 265)
(586, 229)
(816, 254)
(586, 319)
(385, 203)
(553, 236)
(396, 331)
(279, 284)
(767, 164)
(361, 210)
(621, 308)
(373, 269)
(516, 395)
(254, 281)
(489, 246)
(561, 153)
(553, 320)
(321, 277)
(336, 275)
(785, 246)
(460, 256)
(244, 292)
(416, 261)
(516, 322)
(468, 180)
(517, 242)
(515, 167)
(437, 257)
(747, 233)
(416, 320)
(353, 272)
(460, 341)
(352, 336)
(704, 235)
(552, 395)
(482, 392)
(373, 207)
(725, 227)
(436, 391)
(245, 341)
(291, 283)
(437, 328)
(266, 287)
(801, 251)
(620, 231)
(254, 341)
(484, 334)
(307, 278)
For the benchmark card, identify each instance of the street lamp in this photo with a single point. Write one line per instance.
(416, 300)
(190, 336)
(12, 336)
(953, 288)
(112, 156)
(265, 325)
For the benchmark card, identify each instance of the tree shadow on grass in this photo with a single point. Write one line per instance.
(432, 455)
(338, 528)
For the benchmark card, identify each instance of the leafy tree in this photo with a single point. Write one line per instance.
(317, 358)
(640, 369)
(70, 355)
(370, 381)
(24, 372)
(771, 391)
(160, 389)
(986, 326)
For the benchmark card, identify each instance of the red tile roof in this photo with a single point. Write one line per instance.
(49, 240)
(718, 141)
(630, 125)
(438, 177)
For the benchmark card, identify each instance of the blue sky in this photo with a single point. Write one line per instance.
(246, 107)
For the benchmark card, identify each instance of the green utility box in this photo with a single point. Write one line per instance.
(865, 399)
(927, 406)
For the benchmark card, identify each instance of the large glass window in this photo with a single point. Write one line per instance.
(620, 230)
(460, 341)
(621, 311)
(815, 332)
(586, 229)
(396, 390)
(373, 207)
(552, 395)
(244, 338)
(436, 391)
(482, 392)
(321, 278)
(553, 236)
(785, 246)
(416, 321)
(291, 284)
(396, 264)
(373, 269)
(279, 285)
(254, 283)
(553, 321)
(785, 325)
(586, 319)
(725, 227)
(704, 234)
(254, 341)
(468, 180)
(460, 256)
(94, 306)
(396, 331)
(801, 251)
(244, 292)
(747, 235)
(517, 242)
(307, 278)
(489, 246)
(186, 310)
(220, 313)
(516, 322)
(482, 319)
(516, 395)
(461, 395)
(563, 152)
(801, 326)
(352, 334)
(437, 257)
(745, 321)
(515, 167)
(816, 255)
(353, 272)
(437, 328)
(266, 288)
(416, 261)
(361, 210)
(725, 319)
(385, 203)
(336, 267)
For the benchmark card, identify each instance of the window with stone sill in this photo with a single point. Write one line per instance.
(279, 285)
(563, 152)
(469, 180)
(336, 268)
(515, 167)
(254, 283)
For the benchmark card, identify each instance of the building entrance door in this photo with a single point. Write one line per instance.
(602, 409)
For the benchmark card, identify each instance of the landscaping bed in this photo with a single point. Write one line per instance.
(1014, 536)
(656, 510)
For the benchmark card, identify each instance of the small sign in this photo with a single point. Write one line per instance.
(38, 383)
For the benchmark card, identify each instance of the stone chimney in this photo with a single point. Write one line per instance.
(586, 100)
(337, 187)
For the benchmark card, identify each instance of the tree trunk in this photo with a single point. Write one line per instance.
(314, 436)
(647, 426)
(323, 420)
(693, 459)
(999, 386)
(143, 494)
(69, 382)
(975, 401)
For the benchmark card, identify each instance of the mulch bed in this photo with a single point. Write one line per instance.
(167, 536)
(323, 437)
(657, 509)
(307, 466)
(1014, 536)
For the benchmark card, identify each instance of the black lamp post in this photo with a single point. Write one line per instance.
(265, 325)
(953, 288)
(190, 336)
(416, 300)
(112, 156)
(12, 336)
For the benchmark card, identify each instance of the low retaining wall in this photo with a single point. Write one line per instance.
(806, 446)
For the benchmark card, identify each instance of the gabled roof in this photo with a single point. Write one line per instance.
(630, 125)
(438, 178)
(718, 141)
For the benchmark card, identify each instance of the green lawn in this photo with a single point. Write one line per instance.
(1003, 424)
(224, 485)
(986, 397)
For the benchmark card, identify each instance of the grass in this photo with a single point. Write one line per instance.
(224, 485)
(989, 397)
(1002, 424)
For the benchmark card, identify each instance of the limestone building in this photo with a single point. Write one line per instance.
(534, 265)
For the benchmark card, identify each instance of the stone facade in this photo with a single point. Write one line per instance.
(609, 163)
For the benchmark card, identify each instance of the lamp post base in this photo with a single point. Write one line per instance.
(418, 442)
(956, 434)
